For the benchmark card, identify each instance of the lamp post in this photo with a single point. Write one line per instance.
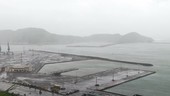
(113, 79)
(96, 82)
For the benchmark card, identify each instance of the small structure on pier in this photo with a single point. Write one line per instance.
(19, 68)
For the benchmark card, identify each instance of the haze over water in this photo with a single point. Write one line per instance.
(85, 17)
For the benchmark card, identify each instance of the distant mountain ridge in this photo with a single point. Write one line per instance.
(41, 36)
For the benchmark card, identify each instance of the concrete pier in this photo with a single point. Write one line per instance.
(119, 82)
(89, 80)
(99, 58)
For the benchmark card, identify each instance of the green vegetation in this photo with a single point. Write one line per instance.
(3, 93)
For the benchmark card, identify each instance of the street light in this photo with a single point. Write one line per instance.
(113, 79)
(96, 82)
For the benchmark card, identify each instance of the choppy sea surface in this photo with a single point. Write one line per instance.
(158, 54)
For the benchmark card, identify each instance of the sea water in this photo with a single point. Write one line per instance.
(157, 54)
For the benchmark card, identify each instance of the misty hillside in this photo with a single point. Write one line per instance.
(41, 36)
(134, 37)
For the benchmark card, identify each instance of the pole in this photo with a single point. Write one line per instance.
(113, 77)
(96, 80)
(21, 58)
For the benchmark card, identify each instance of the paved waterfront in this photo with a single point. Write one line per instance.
(24, 90)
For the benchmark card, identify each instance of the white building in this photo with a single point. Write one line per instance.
(18, 68)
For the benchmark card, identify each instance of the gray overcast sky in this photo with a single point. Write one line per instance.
(86, 17)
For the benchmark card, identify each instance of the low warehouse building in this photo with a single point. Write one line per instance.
(19, 68)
